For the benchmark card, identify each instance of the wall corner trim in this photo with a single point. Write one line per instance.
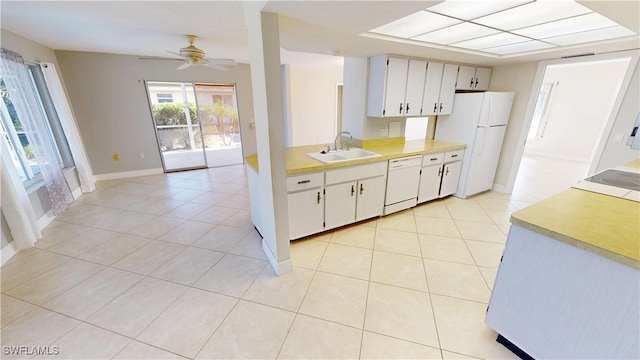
(279, 268)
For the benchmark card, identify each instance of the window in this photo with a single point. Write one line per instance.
(165, 98)
(538, 122)
(17, 138)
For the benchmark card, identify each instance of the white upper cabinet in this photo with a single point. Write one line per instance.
(415, 87)
(473, 78)
(395, 86)
(439, 88)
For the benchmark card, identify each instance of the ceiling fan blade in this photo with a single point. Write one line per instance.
(184, 66)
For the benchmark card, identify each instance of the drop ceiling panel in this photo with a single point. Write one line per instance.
(469, 10)
(533, 14)
(456, 33)
(416, 24)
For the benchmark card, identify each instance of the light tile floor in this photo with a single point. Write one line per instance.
(170, 267)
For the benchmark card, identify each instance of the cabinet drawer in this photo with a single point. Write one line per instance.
(453, 155)
(356, 172)
(432, 159)
(306, 181)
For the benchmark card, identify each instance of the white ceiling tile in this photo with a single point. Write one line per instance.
(495, 40)
(590, 36)
(567, 26)
(531, 45)
(415, 24)
(456, 33)
(471, 9)
(533, 14)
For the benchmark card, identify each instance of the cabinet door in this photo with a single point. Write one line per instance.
(370, 200)
(447, 89)
(483, 75)
(466, 78)
(306, 212)
(450, 177)
(431, 96)
(415, 87)
(395, 87)
(340, 204)
(430, 183)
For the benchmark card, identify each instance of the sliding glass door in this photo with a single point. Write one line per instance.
(196, 125)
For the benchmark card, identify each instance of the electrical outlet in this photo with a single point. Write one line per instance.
(384, 132)
(141, 156)
(116, 157)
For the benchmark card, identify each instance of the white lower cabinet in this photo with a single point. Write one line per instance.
(370, 201)
(450, 178)
(440, 175)
(305, 199)
(340, 204)
(354, 193)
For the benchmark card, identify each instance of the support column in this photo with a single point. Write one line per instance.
(264, 46)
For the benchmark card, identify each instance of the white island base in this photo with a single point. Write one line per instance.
(556, 301)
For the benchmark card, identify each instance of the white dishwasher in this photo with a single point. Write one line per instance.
(403, 179)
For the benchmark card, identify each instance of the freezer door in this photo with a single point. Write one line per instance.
(484, 160)
(495, 110)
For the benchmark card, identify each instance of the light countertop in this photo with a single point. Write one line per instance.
(604, 225)
(298, 162)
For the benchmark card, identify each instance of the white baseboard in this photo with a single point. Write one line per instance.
(128, 174)
(76, 193)
(45, 220)
(557, 157)
(279, 267)
(8, 251)
(500, 188)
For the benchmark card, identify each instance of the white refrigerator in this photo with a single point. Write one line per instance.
(480, 121)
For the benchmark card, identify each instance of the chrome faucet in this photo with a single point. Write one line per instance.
(335, 142)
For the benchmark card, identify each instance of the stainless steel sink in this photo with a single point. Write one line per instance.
(335, 156)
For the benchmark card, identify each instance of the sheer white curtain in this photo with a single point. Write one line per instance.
(16, 206)
(17, 81)
(60, 102)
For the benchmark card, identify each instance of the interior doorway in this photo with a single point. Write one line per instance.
(571, 113)
(196, 124)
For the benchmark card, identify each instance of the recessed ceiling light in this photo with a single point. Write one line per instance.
(468, 10)
(490, 41)
(415, 24)
(533, 14)
(456, 33)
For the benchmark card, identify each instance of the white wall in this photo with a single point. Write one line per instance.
(578, 109)
(108, 94)
(312, 95)
(615, 154)
(519, 79)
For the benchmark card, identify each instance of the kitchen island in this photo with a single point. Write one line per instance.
(568, 285)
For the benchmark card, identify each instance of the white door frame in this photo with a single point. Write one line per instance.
(533, 95)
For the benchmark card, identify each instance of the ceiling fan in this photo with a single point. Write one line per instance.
(193, 56)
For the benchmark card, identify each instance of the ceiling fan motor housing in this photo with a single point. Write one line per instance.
(191, 51)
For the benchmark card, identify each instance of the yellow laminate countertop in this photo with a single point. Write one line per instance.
(602, 224)
(298, 162)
